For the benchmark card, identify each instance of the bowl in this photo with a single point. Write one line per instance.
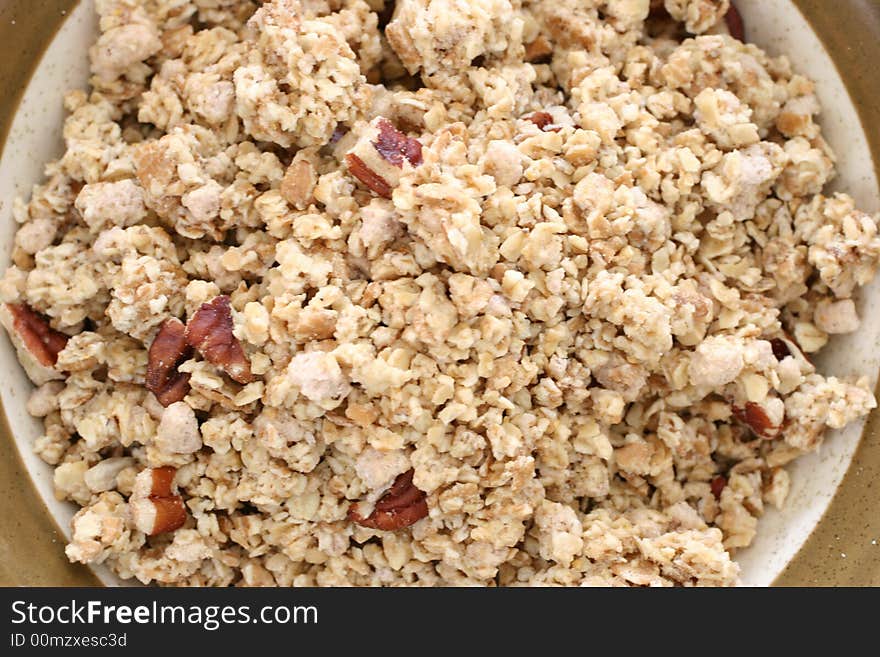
(829, 529)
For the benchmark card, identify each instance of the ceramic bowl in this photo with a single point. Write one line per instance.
(829, 529)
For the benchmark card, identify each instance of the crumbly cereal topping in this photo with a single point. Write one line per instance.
(433, 292)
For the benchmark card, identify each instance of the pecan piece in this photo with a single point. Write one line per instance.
(156, 508)
(168, 351)
(401, 506)
(757, 419)
(785, 345)
(394, 146)
(780, 349)
(367, 176)
(210, 332)
(735, 25)
(36, 342)
(338, 133)
(378, 156)
(544, 121)
(717, 485)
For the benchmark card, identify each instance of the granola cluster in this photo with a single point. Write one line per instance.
(432, 292)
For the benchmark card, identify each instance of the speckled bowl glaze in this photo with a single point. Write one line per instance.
(828, 534)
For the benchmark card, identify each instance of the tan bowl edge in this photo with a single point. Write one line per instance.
(31, 543)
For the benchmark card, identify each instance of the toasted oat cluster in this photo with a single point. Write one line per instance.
(432, 292)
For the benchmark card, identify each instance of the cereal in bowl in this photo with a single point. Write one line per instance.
(434, 292)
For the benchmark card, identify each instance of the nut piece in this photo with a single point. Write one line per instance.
(44, 399)
(717, 485)
(764, 420)
(168, 351)
(379, 155)
(544, 121)
(735, 25)
(210, 332)
(401, 506)
(156, 508)
(37, 343)
(394, 146)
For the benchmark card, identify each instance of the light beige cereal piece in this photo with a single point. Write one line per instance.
(843, 242)
(810, 337)
(209, 97)
(44, 399)
(69, 297)
(743, 177)
(635, 457)
(777, 488)
(176, 184)
(178, 430)
(716, 361)
(378, 469)
(301, 78)
(99, 530)
(608, 406)
(70, 482)
(438, 34)
(721, 116)
(836, 316)
(503, 161)
(697, 15)
(559, 532)
(379, 226)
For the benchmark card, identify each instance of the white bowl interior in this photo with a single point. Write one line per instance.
(35, 138)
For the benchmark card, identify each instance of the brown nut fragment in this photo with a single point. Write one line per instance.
(210, 332)
(155, 506)
(544, 121)
(367, 176)
(338, 133)
(168, 351)
(158, 515)
(754, 415)
(37, 343)
(378, 156)
(780, 349)
(735, 24)
(159, 483)
(401, 506)
(717, 485)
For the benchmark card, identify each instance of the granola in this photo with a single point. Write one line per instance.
(335, 292)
